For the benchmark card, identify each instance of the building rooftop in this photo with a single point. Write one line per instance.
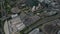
(15, 24)
(30, 20)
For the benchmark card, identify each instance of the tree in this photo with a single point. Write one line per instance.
(7, 7)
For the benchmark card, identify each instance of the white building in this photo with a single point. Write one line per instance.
(20, 26)
(33, 8)
(6, 29)
(17, 23)
(14, 15)
(35, 31)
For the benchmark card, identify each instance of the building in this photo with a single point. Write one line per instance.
(40, 0)
(33, 8)
(58, 32)
(22, 16)
(14, 15)
(15, 24)
(6, 29)
(15, 10)
(50, 12)
(36, 31)
(30, 20)
(45, 1)
(31, 3)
